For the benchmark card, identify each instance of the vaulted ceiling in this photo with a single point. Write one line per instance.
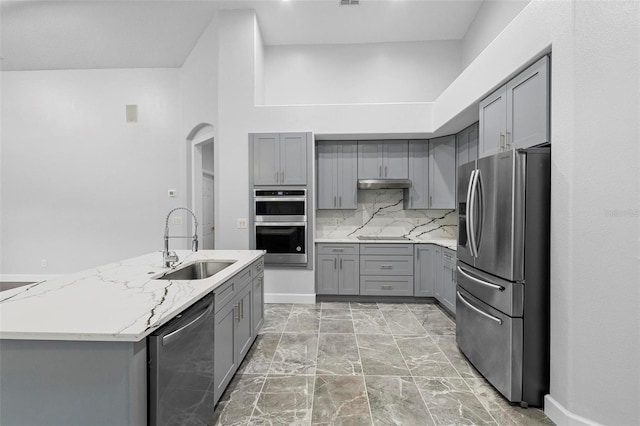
(45, 35)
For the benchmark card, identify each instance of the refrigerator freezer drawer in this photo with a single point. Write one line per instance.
(505, 296)
(492, 341)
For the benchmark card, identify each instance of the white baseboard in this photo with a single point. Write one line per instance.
(563, 417)
(26, 278)
(289, 298)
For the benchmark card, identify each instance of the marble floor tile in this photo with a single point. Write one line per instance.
(259, 358)
(369, 321)
(424, 358)
(340, 400)
(335, 305)
(238, 401)
(303, 320)
(393, 307)
(284, 400)
(502, 410)
(275, 320)
(278, 307)
(451, 401)
(336, 314)
(423, 307)
(396, 401)
(336, 325)
(380, 356)
(435, 322)
(448, 345)
(364, 305)
(401, 322)
(338, 354)
(296, 354)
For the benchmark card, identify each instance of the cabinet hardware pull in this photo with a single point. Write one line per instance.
(418, 253)
(340, 201)
(501, 141)
(385, 171)
(334, 201)
(430, 200)
(242, 308)
(238, 310)
(335, 263)
(386, 266)
(338, 250)
(507, 145)
(340, 263)
(379, 171)
(386, 287)
(452, 277)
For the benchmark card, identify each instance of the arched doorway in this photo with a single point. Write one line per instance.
(200, 181)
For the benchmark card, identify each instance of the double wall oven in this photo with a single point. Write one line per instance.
(280, 224)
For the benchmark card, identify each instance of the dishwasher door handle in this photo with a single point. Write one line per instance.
(175, 335)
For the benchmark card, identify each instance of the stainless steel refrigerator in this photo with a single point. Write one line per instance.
(502, 300)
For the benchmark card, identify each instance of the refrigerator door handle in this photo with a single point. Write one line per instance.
(468, 222)
(471, 212)
(479, 281)
(477, 226)
(481, 312)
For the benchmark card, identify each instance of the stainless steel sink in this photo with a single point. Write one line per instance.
(197, 271)
(382, 238)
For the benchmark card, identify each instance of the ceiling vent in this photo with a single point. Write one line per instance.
(349, 2)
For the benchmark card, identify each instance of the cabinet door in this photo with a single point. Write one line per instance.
(437, 268)
(493, 123)
(395, 162)
(225, 348)
(425, 270)
(257, 302)
(266, 158)
(370, 160)
(244, 326)
(449, 287)
(462, 147)
(472, 142)
(347, 176)
(419, 175)
(293, 158)
(349, 274)
(327, 270)
(442, 173)
(328, 181)
(528, 107)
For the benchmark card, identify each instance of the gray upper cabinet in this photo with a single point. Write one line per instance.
(425, 271)
(383, 159)
(467, 144)
(337, 175)
(417, 196)
(280, 158)
(517, 114)
(442, 173)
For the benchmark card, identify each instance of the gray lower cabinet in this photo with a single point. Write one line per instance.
(279, 158)
(383, 159)
(425, 271)
(238, 317)
(517, 114)
(386, 269)
(338, 269)
(438, 289)
(448, 280)
(337, 170)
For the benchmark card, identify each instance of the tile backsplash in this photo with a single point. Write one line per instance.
(380, 212)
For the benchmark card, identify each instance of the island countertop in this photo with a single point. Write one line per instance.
(117, 302)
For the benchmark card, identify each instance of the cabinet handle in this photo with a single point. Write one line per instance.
(386, 266)
(334, 201)
(506, 140)
(238, 310)
(340, 201)
(452, 276)
(338, 250)
(242, 308)
(385, 171)
(501, 141)
(340, 263)
(335, 264)
(430, 200)
(386, 287)
(418, 254)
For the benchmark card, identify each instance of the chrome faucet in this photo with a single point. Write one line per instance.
(170, 257)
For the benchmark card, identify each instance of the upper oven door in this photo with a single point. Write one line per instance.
(280, 206)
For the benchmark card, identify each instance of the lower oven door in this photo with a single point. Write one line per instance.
(492, 341)
(285, 243)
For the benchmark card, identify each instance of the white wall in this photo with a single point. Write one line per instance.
(80, 186)
(360, 73)
(490, 20)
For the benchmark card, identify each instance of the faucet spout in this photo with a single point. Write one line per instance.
(170, 257)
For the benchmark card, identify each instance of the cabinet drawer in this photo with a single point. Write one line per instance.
(448, 255)
(337, 248)
(227, 291)
(258, 267)
(386, 265)
(387, 249)
(386, 286)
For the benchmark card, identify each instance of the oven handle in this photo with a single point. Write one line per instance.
(481, 312)
(280, 199)
(281, 224)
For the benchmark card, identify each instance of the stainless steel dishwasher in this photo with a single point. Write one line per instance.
(181, 368)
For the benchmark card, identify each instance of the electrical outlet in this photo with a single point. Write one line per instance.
(176, 220)
(242, 223)
(336, 221)
(172, 193)
(44, 263)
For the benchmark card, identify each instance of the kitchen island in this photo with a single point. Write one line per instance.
(73, 349)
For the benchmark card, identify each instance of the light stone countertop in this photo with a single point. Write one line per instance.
(450, 243)
(116, 302)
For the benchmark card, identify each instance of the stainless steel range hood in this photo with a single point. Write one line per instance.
(384, 183)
